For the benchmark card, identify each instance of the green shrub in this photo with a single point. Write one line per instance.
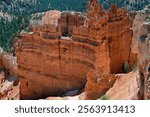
(104, 97)
(135, 67)
(126, 67)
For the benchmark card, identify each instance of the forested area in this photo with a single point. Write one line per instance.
(15, 14)
(80, 5)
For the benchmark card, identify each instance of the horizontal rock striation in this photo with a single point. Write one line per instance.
(112, 31)
(67, 50)
(50, 63)
(64, 62)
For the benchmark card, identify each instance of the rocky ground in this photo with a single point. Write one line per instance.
(9, 88)
(126, 87)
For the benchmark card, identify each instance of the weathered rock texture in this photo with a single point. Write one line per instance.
(144, 51)
(126, 87)
(98, 84)
(8, 62)
(112, 31)
(49, 64)
(9, 88)
(9, 84)
(64, 53)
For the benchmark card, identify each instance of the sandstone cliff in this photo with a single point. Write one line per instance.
(51, 61)
(70, 55)
(136, 84)
(112, 30)
(69, 50)
(144, 51)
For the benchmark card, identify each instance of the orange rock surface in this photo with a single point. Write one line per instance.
(51, 62)
(71, 50)
(112, 30)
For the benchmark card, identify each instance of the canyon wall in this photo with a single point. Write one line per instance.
(144, 51)
(66, 51)
(78, 56)
(50, 64)
(112, 30)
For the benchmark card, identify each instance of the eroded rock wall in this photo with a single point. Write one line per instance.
(58, 64)
(69, 20)
(54, 63)
(64, 53)
(112, 31)
(144, 52)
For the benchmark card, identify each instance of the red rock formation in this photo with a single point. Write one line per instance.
(50, 64)
(98, 84)
(56, 66)
(51, 61)
(112, 31)
(111, 28)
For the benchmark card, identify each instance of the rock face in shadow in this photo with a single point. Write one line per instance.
(137, 83)
(144, 52)
(69, 20)
(8, 62)
(72, 51)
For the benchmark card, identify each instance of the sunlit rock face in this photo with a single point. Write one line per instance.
(126, 87)
(50, 63)
(112, 30)
(69, 51)
(76, 56)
